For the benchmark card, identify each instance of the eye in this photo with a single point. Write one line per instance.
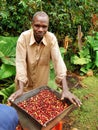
(44, 26)
(37, 26)
(40, 26)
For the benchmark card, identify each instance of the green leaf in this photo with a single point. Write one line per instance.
(79, 61)
(3, 97)
(5, 93)
(8, 46)
(1, 54)
(96, 60)
(8, 61)
(6, 71)
(62, 50)
(84, 70)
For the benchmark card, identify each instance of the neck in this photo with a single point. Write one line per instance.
(38, 40)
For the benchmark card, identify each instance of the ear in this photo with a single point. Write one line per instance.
(32, 24)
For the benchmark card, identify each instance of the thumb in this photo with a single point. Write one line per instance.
(62, 97)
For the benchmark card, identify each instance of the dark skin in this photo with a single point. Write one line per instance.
(40, 26)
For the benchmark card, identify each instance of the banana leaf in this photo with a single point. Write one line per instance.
(7, 56)
(7, 71)
(7, 47)
(5, 93)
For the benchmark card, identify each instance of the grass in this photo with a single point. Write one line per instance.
(85, 117)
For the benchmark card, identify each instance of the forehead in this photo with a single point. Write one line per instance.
(41, 19)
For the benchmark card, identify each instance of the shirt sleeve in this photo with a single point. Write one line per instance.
(59, 65)
(21, 66)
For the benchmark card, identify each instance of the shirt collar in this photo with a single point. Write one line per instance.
(32, 39)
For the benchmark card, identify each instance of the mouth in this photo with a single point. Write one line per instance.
(40, 34)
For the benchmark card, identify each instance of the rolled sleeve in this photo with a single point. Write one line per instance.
(21, 66)
(59, 65)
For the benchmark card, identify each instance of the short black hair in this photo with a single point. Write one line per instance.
(40, 13)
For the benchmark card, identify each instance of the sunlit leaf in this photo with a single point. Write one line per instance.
(6, 71)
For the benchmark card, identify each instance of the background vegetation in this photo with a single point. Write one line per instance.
(65, 15)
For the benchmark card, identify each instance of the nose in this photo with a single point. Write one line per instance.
(40, 29)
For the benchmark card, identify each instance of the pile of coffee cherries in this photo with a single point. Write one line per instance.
(44, 106)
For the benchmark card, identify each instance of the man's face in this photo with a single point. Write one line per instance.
(40, 26)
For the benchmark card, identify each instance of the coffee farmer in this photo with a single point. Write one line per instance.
(35, 48)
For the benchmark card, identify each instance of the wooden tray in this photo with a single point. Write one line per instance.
(30, 122)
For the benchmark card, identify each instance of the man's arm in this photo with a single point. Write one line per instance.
(61, 72)
(67, 94)
(21, 71)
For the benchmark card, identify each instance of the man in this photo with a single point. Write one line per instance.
(35, 48)
(8, 118)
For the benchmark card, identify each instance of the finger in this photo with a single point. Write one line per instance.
(12, 97)
(62, 97)
(77, 102)
(8, 103)
(72, 101)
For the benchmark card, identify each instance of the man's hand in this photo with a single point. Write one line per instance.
(15, 95)
(72, 98)
(18, 93)
(67, 94)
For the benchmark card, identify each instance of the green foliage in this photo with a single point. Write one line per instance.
(6, 71)
(6, 92)
(7, 66)
(62, 50)
(87, 58)
(16, 15)
(7, 46)
(7, 57)
(96, 59)
(92, 41)
(65, 16)
(82, 58)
